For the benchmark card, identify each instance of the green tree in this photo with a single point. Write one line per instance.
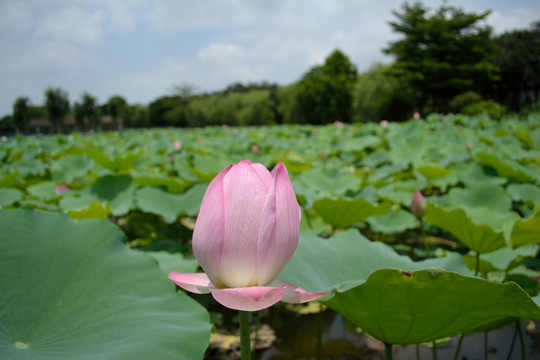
(519, 67)
(21, 114)
(442, 53)
(378, 95)
(57, 105)
(86, 112)
(117, 108)
(324, 92)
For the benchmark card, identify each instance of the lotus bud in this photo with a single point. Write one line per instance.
(418, 204)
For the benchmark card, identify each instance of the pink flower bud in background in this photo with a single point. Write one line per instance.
(384, 123)
(418, 204)
(60, 189)
(416, 115)
(246, 232)
(254, 148)
(177, 145)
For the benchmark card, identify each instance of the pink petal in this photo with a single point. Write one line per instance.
(296, 295)
(197, 283)
(285, 233)
(251, 298)
(209, 232)
(244, 199)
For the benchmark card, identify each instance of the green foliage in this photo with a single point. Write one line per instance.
(442, 53)
(490, 108)
(86, 112)
(57, 104)
(21, 113)
(325, 91)
(459, 102)
(73, 290)
(378, 95)
(408, 305)
(519, 67)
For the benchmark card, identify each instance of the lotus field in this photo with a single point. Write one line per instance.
(92, 224)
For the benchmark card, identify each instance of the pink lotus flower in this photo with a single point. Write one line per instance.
(418, 204)
(246, 232)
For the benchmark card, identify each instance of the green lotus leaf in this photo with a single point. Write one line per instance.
(338, 184)
(70, 167)
(119, 163)
(73, 290)
(342, 212)
(117, 190)
(9, 196)
(433, 171)
(400, 307)
(168, 205)
(527, 231)
(479, 238)
(393, 222)
(524, 192)
(480, 195)
(43, 190)
(347, 259)
(177, 262)
(95, 210)
(504, 259)
(504, 167)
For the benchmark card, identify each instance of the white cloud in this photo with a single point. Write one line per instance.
(222, 55)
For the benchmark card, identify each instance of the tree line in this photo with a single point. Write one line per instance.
(446, 60)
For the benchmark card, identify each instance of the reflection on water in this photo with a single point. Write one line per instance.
(297, 338)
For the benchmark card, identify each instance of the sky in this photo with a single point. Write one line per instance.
(142, 49)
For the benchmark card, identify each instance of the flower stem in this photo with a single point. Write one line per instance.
(521, 341)
(387, 351)
(485, 345)
(477, 267)
(245, 341)
(434, 350)
(426, 246)
(458, 350)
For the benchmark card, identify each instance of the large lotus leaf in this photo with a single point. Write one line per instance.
(348, 258)
(343, 212)
(117, 190)
(338, 184)
(118, 164)
(177, 262)
(9, 196)
(393, 222)
(479, 238)
(527, 231)
(524, 192)
(504, 259)
(474, 173)
(73, 290)
(70, 167)
(433, 171)
(480, 195)
(174, 185)
(169, 206)
(400, 307)
(504, 167)
(95, 210)
(44, 190)
(206, 167)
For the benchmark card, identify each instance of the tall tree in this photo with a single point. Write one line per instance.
(325, 91)
(519, 64)
(57, 105)
(21, 113)
(86, 112)
(117, 108)
(442, 53)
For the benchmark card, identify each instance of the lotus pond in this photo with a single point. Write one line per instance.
(93, 223)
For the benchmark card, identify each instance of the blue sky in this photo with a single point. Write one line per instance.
(140, 49)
